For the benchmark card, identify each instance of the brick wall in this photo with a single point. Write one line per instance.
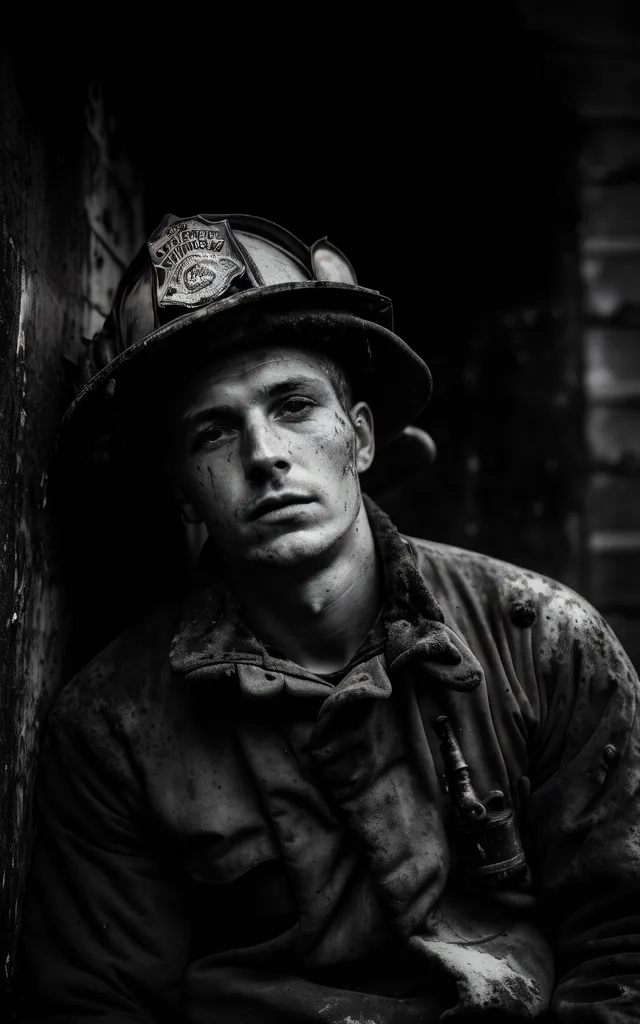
(611, 335)
(596, 56)
(68, 222)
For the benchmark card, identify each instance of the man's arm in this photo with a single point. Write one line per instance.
(105, 934)
(584, 821)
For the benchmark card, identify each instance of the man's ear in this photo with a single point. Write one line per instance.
(174, 487)
(189, 512)
(362, 419)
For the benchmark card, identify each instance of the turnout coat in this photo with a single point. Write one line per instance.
(226, 836)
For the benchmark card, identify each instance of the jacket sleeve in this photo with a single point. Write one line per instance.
(105, 935)
(584, 814)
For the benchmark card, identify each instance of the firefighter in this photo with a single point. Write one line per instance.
(352, 776)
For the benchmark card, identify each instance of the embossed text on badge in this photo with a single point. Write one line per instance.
(194, 262)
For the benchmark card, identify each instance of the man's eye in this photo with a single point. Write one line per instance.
(296, 408)
(211, 437)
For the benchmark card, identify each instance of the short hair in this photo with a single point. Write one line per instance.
(340, 381)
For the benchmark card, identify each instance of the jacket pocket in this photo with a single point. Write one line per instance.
(240, 893)
(219, 860)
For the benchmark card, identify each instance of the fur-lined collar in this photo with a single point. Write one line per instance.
(213, 640)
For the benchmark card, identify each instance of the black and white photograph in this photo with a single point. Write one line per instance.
(320, 514)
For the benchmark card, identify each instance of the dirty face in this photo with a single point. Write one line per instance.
(267, 456)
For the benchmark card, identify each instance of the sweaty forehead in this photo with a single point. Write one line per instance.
(255, 369)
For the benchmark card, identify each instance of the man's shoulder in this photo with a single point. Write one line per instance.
(131, 669)
(519, 596)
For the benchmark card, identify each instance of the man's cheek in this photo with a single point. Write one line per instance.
(339, 443)
(211, 493)
(342, 455)
(204, 481)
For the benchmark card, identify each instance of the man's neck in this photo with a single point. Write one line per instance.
(319, 618)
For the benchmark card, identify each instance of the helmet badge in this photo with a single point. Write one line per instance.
(194, 261)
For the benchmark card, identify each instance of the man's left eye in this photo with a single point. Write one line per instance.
(294, 407)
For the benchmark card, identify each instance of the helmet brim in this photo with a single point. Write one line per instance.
(397, 385)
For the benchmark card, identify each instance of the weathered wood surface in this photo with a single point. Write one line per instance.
(54, 179)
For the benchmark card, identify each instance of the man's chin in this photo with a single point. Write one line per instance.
(289, 549)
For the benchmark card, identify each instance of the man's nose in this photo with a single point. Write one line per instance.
(264, 451)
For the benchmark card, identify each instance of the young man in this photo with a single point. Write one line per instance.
(355, 777)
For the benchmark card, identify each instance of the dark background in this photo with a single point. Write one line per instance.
(479, 163)
(440, 157)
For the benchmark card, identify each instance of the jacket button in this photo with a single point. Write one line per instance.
(255, 682)
(523, 614)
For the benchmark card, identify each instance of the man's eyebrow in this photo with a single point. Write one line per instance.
(292, 383)
(212, 412)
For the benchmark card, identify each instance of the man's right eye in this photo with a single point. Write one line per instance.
(211, 437)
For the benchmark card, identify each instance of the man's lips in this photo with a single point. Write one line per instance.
(275, 502)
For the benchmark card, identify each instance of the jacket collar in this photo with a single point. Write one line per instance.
(213, 642)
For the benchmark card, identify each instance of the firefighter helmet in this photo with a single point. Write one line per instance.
(208, 278)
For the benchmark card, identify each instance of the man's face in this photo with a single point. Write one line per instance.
(266, 455)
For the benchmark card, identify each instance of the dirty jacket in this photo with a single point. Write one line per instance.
(225, 836)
